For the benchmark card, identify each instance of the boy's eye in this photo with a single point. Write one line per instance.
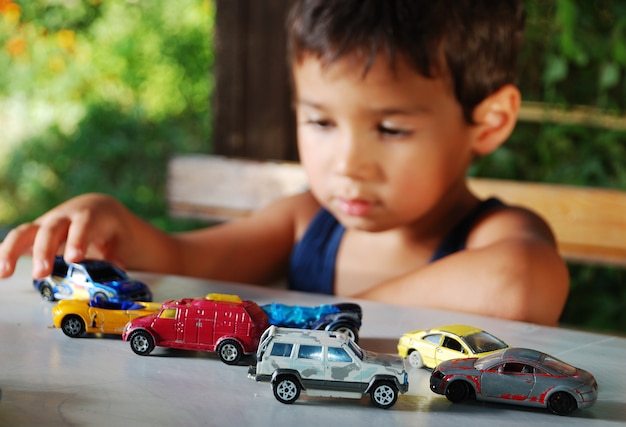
(320, 123)
(393, 131)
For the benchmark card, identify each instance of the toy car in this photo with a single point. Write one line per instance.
(76, 317)
(519, 376)
(323, 363)
(429, 347)
(222, 323)
(90, 279)
(344, 318)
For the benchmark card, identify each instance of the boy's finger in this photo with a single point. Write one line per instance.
(78, 238)
(48, 240)
(16, 243)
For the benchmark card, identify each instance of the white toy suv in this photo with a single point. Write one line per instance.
(322, 363)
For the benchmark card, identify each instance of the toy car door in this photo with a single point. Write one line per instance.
(450, 348)
(80, 279)
(428, 348)
(341, 365)
(198, 326)
(508, 381)
(166, 324)
(310, 359)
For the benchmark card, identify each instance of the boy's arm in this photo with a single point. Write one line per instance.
(87, 226)
(253, 249)
(510, 269)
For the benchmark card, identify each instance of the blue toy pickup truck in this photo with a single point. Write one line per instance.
(344, 318)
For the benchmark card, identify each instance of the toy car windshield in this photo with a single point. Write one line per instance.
(109, 305)
(106, 273)
(483, 342)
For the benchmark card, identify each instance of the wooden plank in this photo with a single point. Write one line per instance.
(214, 187)
(252, 102)
(577, 115)
(589, 223)
(230, 95)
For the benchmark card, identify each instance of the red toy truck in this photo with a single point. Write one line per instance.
(221, 323)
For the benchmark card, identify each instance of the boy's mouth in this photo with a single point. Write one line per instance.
(355, 207)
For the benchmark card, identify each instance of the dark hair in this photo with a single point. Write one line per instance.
(480, 39)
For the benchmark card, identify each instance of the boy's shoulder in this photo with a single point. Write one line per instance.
(507, 223)
(295, 210)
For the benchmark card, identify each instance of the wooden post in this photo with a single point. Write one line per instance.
(252, 105)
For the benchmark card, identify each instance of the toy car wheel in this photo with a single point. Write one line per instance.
(73, 326)
(562, 403)
(346, 329)
(46, 292)
(99, 296)
(286, 389)
(457, 391)
(229, 351)
(384, 394)
(415, 359)
(141, 342)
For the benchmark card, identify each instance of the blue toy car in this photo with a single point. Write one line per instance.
(90, 279)
(344, 318)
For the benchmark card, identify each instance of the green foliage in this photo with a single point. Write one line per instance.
(596, 299)
(575, 53)
(103, 93)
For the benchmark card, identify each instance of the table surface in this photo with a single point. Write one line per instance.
(49, 379)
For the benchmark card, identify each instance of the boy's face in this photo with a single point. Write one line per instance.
(381, 150)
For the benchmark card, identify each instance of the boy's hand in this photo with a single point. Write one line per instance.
(91, 224)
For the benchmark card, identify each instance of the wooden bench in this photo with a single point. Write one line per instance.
(589, 223)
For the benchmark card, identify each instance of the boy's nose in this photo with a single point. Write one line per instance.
(354, 159)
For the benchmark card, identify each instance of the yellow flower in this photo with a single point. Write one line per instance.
(11, 11)
(67, 40)
(56, 63)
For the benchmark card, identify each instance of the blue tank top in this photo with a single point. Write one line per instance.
(312, 262)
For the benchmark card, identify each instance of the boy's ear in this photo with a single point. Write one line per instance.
(495, 118)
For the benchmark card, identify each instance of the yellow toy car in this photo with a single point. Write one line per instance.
(76, 317)
(429, 347)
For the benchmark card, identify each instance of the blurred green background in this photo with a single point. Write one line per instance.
(97, 95)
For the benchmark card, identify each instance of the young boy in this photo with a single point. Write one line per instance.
(393, 99)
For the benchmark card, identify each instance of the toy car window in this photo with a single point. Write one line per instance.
(60, 268)
(79, 275)
(337, 354)
(433, 338)
(281, 349)
(514, 368)
(313, 352)
(453, 344)
(497, 368)
(168, 313)
(356, 349)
